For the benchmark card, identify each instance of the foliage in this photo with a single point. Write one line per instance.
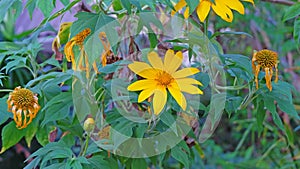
(232, 125)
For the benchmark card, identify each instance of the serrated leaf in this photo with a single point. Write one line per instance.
(292, 12)
(11, 136)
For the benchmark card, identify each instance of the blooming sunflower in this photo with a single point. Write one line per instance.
(162, 76)
(23, 104)
(266, 60)
(223, 8)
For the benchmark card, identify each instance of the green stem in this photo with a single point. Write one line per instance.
(231, 87)
(6, 90)
(86, 144)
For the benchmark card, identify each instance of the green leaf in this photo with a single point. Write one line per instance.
(180, 155)
(260, 115)
(51, 61)
(43, 133)
(138, 163)
(104, 162)
(45, 6)
(4, 7)
(192, 4)
(153, 40)
(4, 114)
(292, 11)
(31, 131)
(11, 136)
(58, 107)
(31, 5)
(269, 103)
(65, 2)
(297, 31)
(126, 4)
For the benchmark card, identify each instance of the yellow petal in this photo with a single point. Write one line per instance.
(179, 6)
(172, 62)
(203, 10)
(190, 89)
(268, 77)
(168, 57)
(145, 94)
(234, 4)
(178, 96)
(155, 60)
(187, 81)
(142, 69)
(185, 72)
(251, 1)
(223, 11)
(186, 13)
(159, 100)
(141, 85)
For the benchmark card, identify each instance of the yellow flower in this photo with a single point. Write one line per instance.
(223, 8)
(23, 104)
(76, 40)
(266, 60)
(162, 76)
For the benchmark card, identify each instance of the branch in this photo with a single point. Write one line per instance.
(283, 2)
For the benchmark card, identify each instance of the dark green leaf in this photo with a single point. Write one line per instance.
(58, 107)
(292, 12)
(269, 103)
(180, 155)
(297, 31)
(10, 136)
(138, 163)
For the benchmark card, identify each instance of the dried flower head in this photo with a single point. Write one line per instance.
(76, 40)
(24, 105)
(267, 60)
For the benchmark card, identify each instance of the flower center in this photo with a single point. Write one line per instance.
(23, 98)
(164, 78)
(266, 58)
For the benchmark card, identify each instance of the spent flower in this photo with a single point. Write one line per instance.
(24, 106)
(267, 60)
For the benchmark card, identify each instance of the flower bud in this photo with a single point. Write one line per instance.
(89, 124)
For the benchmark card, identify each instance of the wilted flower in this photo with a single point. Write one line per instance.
(223, 8)
(162, 76)
(76, 40)
(267, 60)
(24, 105)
